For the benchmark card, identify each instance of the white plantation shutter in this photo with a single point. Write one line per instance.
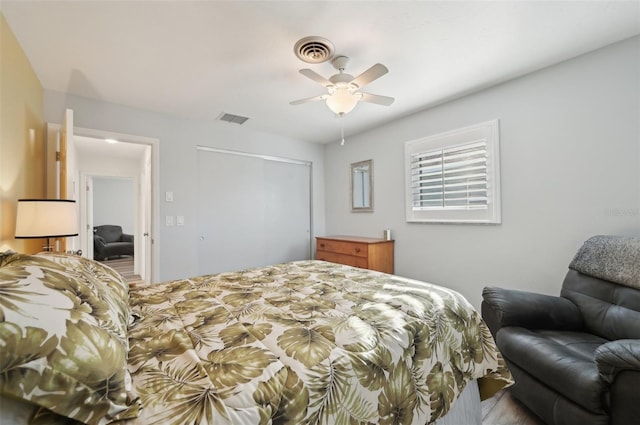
(454, 176)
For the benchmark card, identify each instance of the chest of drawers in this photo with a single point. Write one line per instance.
(366, 253)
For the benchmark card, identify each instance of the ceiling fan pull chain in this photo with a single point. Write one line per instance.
(342, 130)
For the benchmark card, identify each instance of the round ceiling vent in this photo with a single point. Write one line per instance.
(314, 49)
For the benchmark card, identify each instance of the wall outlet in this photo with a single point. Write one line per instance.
(169, 220)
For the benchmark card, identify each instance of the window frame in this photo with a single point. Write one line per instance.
(491, 214)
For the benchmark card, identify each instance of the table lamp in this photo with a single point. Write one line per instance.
(46, 218)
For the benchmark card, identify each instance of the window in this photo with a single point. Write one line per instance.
(454, 176)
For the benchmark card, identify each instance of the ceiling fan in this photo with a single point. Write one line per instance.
(344, 89)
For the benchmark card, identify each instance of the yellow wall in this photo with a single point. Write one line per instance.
(21, 137)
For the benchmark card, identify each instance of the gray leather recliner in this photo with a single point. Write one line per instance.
(110, 242)
(576, 358)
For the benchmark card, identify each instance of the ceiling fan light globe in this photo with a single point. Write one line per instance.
(342, 102)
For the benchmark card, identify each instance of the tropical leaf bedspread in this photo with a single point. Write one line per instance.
(302, 343)
(305, 343)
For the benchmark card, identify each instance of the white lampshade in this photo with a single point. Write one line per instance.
(342, 101)
(46, 218)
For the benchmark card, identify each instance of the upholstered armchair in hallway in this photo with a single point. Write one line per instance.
(109, 242)
(576, 358)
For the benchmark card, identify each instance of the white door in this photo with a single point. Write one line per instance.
(86, 216)
(68, 175)
(230, 205)
(252, 211)
(144, 246)
(62, 170)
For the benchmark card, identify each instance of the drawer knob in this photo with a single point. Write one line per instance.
(357, 249)
(321, 245)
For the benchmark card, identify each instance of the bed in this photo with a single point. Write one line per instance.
(306, 342)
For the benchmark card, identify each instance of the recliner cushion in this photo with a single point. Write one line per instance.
(562, 360)
(118, 248)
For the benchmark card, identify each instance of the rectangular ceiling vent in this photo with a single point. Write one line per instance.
(236, 119)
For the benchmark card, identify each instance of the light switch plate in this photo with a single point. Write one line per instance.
(168, 196)
(169, 220)
(180, 220)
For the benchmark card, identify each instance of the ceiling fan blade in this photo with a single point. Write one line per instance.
(371, 74)
(376, 98)
(315, 77)
(309, 99)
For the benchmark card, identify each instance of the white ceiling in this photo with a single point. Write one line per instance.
(199, 59)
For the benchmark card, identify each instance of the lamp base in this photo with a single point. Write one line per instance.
(48, 247)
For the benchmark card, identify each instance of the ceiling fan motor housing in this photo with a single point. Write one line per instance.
(341, 79)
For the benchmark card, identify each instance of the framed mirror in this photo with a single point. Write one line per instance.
(362, 186)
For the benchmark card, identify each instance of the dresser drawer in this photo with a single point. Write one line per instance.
(349, 260)
(343, 247)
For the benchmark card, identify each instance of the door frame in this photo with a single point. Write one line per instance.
(152, 256)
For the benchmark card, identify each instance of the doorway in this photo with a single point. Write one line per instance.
(114, 201)
(101, 154)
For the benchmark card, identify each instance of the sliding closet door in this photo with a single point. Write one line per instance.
(230, 218)
(252, 211)
(287, 212)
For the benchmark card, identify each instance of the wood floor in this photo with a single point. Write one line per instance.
(503, 409)
(124, 266)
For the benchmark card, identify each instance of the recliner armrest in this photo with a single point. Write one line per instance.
(126, 238)
(99, 240)
(507, 307)
(617, 356)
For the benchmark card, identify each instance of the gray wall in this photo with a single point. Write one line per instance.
(114, 202)
(178, 164)
(570, 155)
